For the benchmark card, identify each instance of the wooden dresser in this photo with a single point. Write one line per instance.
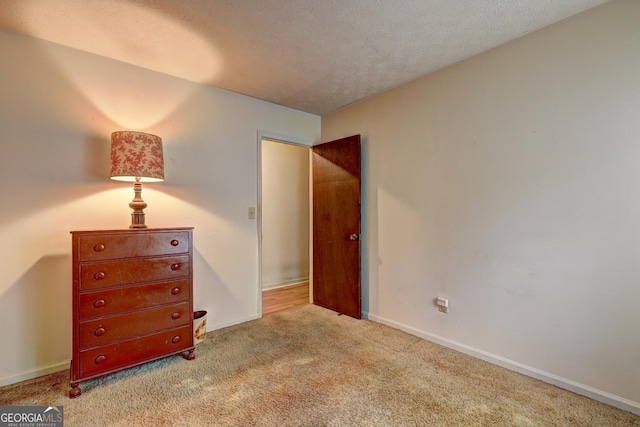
(132, 299)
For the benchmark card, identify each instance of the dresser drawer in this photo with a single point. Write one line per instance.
(131, 352)
(114, 300)
(108, 329)
(104, 274)
(92, 247)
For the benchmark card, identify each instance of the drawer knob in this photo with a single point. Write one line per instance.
(99, 247)
(174, 242)
(99, 303)
(100, 331)
(175, 315)
(100, 359)
(175, 339)
(99, 275)
(175, 291)
(176, 266)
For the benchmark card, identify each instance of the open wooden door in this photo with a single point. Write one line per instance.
(336, 226)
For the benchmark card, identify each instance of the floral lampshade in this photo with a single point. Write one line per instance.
(136, 155)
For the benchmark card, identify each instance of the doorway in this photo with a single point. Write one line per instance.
(284, 224)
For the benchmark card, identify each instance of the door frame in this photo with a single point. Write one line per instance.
(290, 140)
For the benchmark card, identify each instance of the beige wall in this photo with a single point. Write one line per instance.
(58, 108)
(510, 184)
(284, 214)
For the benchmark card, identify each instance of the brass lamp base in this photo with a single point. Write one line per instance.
(137, 204)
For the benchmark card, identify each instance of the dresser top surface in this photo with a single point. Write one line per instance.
(131, 230)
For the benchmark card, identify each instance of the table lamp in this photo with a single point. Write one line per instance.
(136, 157)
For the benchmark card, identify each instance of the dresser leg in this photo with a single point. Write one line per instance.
(191, 355)
(75, 390)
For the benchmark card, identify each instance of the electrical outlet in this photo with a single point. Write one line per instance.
(443, 309)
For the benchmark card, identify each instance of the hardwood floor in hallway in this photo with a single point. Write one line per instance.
(281, 299)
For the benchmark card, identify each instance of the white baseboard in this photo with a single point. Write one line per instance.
(13, 379)
(286, 284)
(584, 390)
(233, 322)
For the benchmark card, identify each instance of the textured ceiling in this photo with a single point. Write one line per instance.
(311, 55)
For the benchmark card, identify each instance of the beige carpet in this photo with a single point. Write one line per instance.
(310, 367)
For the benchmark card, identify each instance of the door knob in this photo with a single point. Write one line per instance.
(354, 236)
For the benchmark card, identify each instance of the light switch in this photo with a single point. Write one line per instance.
(252, 213)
